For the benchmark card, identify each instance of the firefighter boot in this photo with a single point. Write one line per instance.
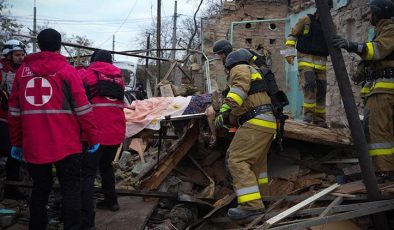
(240, 213)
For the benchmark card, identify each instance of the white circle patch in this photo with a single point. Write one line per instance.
(38, 91)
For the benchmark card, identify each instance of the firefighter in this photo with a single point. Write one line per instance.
(262, 56)
(48, 108)
(14, 53)
(378, 85)
(247, 106)
(312, 52)
(105, 89)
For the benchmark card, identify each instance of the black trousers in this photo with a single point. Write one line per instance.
(12, 165)
(102, 159)
(68, 172)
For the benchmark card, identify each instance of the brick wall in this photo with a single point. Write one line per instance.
(247, 35)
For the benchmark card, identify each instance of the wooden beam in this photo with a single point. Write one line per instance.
(338, 217)
(165, 167)
(298, 206)
(311, 133)
(328, 210)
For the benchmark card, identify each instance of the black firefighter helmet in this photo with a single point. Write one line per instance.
(381, 9)
(222, 46)
(240, 56)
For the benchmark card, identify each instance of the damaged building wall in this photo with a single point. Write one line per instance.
(349, 17)
(270, 34)
(351, 22)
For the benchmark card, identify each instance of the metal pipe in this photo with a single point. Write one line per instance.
(349, 103)
(112, 52)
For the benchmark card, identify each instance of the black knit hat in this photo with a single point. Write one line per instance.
(49, 40)
(102, 56)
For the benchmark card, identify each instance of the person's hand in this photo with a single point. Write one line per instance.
(340, 42)
(93, 149)
(290, 59)
(222, 115)
(16, 153)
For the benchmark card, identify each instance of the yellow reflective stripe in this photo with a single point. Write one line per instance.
(255, 76)
(258, 122)
(384, 85)
(370, 51)
(309, 105)
(380, 152)
(290, 42)
(236, 98)
(320, 110)
(263, 180)
(365, 90)
(307, 64)
(306, 31)
(249, 197)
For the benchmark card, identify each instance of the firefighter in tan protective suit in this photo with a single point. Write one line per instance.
(312, 52)
(378, 85)
(248, 106)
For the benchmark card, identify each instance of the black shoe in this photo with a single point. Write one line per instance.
(104, 204)
(240, 214)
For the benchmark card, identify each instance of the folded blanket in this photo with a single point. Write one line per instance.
(147, 113)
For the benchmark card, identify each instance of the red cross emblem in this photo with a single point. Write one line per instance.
(38, 91)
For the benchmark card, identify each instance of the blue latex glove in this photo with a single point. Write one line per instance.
(93, 149)
(16, 153)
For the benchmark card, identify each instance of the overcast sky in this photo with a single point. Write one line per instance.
(98, 20)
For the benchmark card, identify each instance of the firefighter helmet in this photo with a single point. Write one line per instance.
(11, 46)
(381, 9)
(238, 57)
(222, 46)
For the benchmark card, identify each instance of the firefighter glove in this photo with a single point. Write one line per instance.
(222, 115)
(351, 47)
(16, 153)
(93, 149)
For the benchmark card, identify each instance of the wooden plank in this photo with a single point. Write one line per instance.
(338, 217)
(134, 213)
(352, 187)
(166, 91)
(328, 210)
(218, 206)
(310, 133)
(298, 206)
(165, 168)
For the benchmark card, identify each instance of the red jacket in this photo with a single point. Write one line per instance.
(7, 75)
(108, 111)
(48, 108)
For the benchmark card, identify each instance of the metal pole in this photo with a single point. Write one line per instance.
(174, 31)
(113, 47)
(349, 103)
(174, 38)
(158, 39)
(146, 60)
(35, 27)
(92, 48)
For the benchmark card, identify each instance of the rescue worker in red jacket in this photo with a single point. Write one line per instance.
(48, 108)
(105, 89)
(14, 53)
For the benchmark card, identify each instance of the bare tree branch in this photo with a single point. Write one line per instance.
(195, 26)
